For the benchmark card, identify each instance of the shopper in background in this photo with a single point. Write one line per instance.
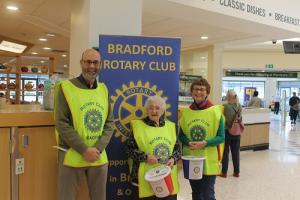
(231, 109)
(85, 125)
(201, 134)
(276, 100)
(294, 108)
(153, 142)
(255, 101)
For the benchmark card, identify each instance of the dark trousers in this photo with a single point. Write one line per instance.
(276, 108)
(203, 189)
(135, 195)
(293, 115)
(232, 142)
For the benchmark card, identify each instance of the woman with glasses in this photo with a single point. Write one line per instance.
(201, 134)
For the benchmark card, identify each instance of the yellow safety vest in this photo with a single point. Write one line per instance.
(89, 110)
(158, 141)
(199, 125)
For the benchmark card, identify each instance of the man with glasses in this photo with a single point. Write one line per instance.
(84, 125)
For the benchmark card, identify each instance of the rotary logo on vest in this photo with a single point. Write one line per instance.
(93, 121)
(198, 133)
(162, 152)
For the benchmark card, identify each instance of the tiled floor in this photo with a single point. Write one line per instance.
(272, 174)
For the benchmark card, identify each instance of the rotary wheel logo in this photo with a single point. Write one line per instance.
(196, 170)
(93, 120)
(159, 189)
(129, 104)
(162, 152)
(198, 133)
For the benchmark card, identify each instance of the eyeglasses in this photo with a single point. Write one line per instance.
(90, 62)
(199, 89)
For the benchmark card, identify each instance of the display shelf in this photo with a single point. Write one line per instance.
(34, 73)
(10, 90)
(33, 90)
(17, 75)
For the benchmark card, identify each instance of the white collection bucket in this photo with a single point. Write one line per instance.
(160, 180)
(192, 167)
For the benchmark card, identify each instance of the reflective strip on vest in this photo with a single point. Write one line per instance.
(158, 141)
(89, 108)
(199, 125)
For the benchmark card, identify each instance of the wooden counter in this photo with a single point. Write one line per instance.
(5, 164)
(25, 115)
(27, 131)
(256, 133)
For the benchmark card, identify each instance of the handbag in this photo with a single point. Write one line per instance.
(237, 126)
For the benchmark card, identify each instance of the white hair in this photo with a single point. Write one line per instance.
(156, 99)
(232, 93)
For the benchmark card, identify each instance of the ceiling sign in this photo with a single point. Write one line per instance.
(262, 74)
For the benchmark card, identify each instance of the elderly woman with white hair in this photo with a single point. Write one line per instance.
(153, 142)
(231, 108)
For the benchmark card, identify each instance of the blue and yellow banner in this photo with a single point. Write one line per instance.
(134, 68)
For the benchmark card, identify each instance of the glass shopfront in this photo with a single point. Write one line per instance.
(244, 89)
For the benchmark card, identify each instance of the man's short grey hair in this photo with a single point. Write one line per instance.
(89, 50)
(156, 99)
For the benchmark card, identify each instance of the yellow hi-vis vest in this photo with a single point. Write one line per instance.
(158, 141)
(89, 108)
(199, 125)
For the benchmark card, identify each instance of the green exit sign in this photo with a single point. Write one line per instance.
(269, 66)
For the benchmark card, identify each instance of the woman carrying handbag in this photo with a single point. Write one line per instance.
(232, 141)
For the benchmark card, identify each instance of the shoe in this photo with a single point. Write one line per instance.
(223, 175)
(236, 174)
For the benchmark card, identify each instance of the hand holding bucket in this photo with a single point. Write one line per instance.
(160, 180)
(151, 159)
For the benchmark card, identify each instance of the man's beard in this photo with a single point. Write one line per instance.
(90, 76)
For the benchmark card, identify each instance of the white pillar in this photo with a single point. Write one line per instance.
(89, 18)
(215, 74)
(270, 90)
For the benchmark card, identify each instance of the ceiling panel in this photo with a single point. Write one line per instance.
(26, 7)
(54, 11)
(9, 24)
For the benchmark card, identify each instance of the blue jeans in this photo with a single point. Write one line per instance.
(203, 189)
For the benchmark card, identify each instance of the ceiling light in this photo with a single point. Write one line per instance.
(34, 53)
(12, 47)
(46, 48)
(204, 37)
(42, 61)
(65, 66)
(203, 57)
(12, 8)
(43, 39)
(51, 34)
(64, 55)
